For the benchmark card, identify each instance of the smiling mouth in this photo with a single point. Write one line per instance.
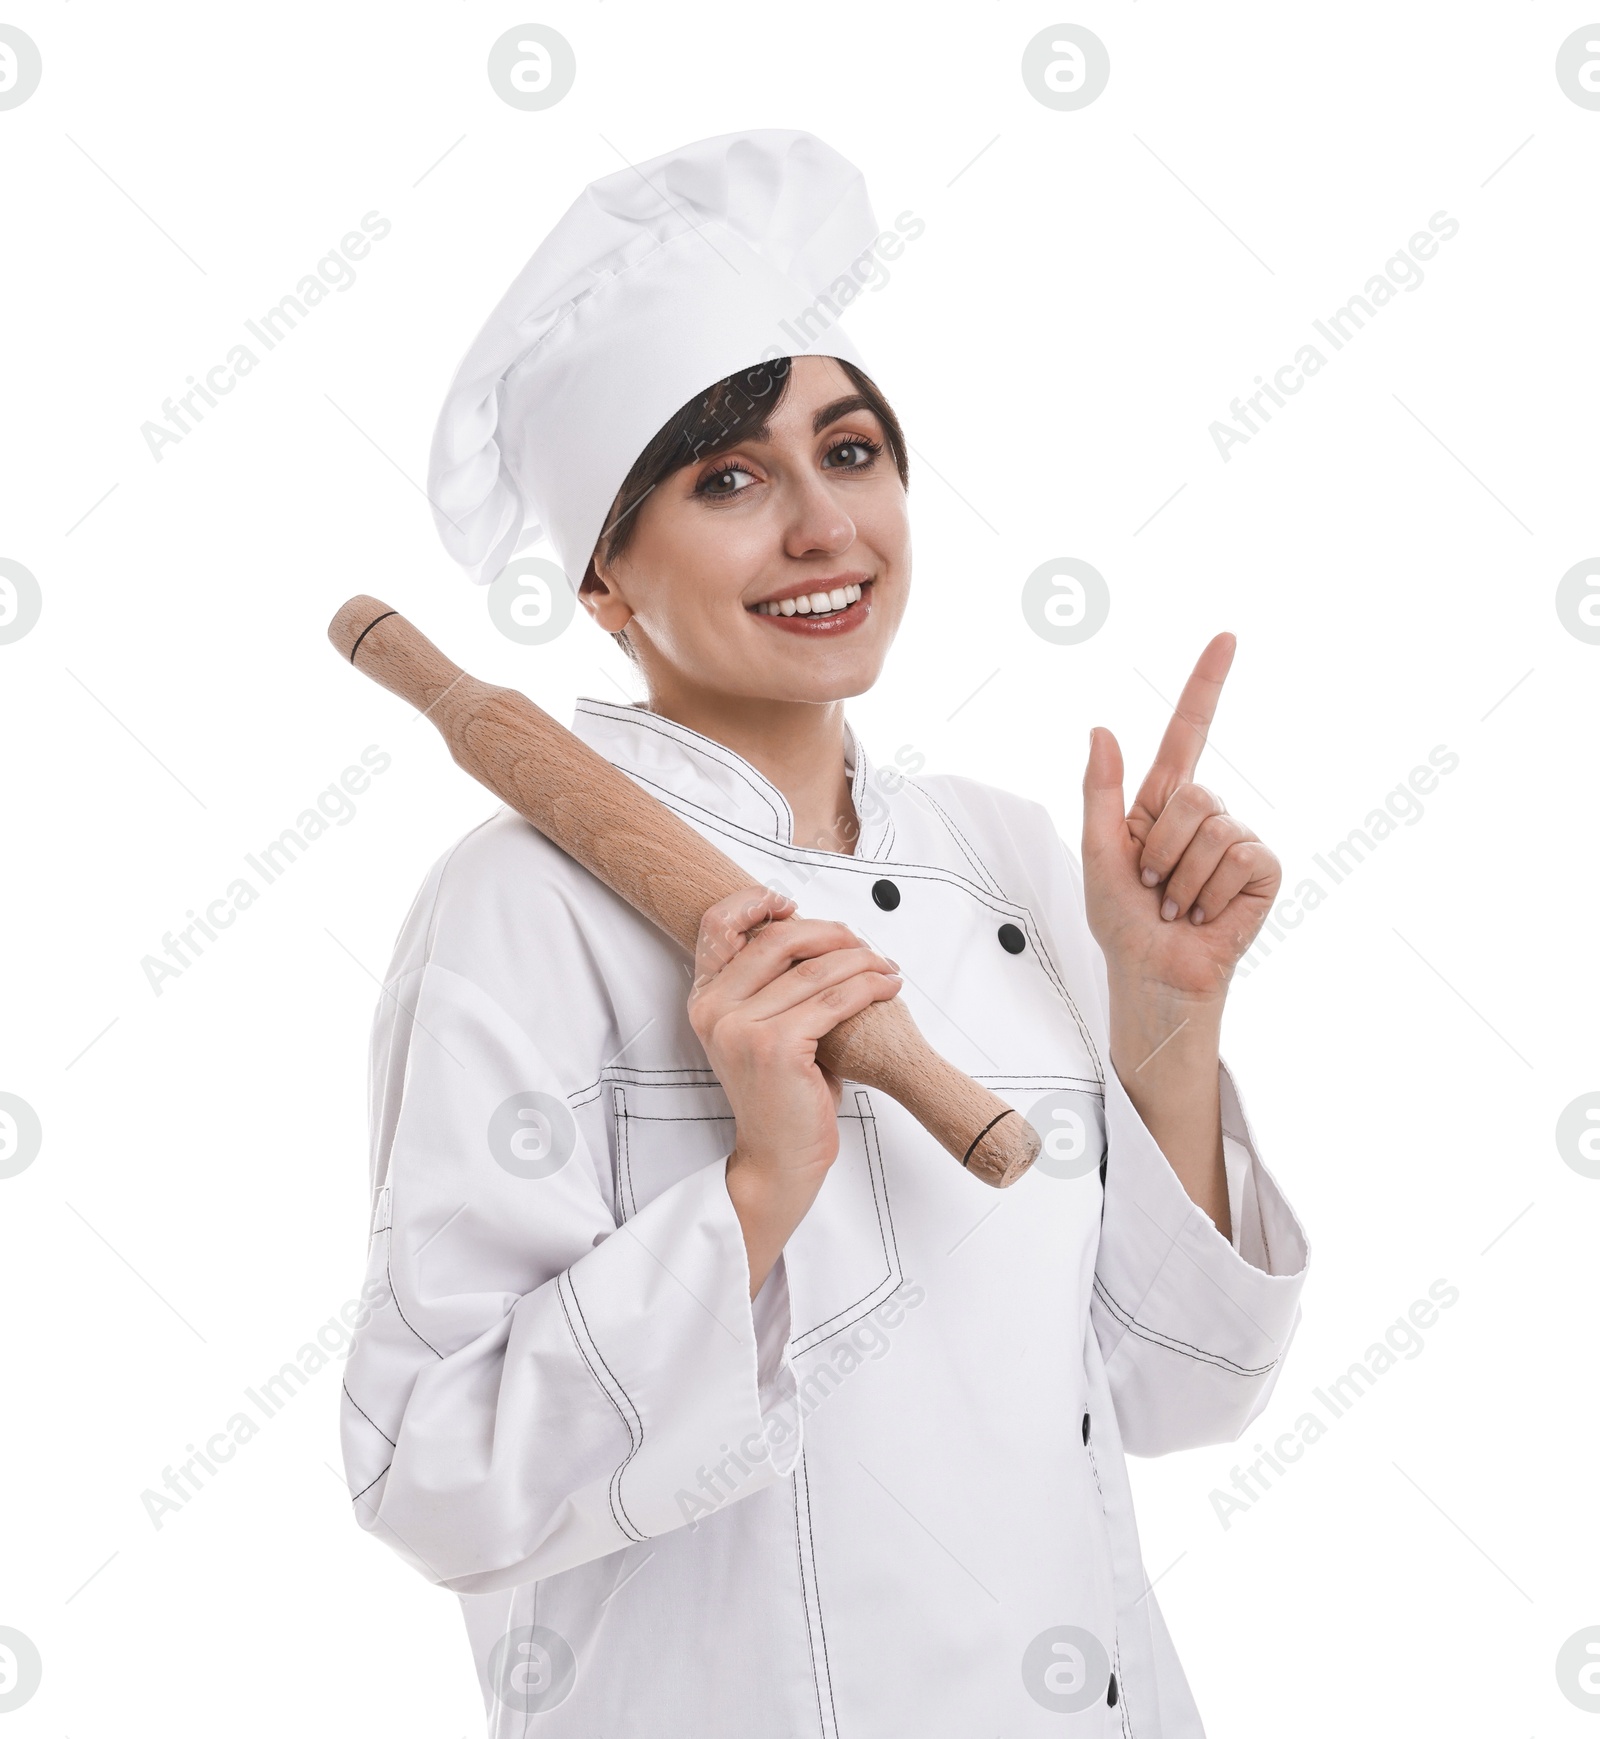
(827, 610)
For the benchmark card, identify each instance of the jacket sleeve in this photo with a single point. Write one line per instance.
(538, 1386)
(1193, 1327)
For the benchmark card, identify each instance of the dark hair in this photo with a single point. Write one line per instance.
(734, 409)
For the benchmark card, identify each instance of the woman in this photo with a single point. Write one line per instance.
(726, 1401)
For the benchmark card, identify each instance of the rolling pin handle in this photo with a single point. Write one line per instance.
(966, 1158)
(368, 629)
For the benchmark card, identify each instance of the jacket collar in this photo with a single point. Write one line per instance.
(694, 774)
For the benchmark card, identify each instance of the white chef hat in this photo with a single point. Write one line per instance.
(659, 281)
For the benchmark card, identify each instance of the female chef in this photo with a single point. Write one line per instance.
(727, 1402)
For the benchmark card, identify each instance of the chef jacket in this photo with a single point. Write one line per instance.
(888, 1496)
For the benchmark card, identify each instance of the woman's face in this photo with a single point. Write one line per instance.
(710, 585)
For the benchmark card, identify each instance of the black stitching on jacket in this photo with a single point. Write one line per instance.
(960, 838)
(611, 1496)
(368, 1417)
(371, 1483)
(1116, 1635)
(648, 1117)
(388, 1270)
(620, 1072)
(805, 1598)
(625, 1523)
(871, 866)
(703, 746)
(572, 1289)
(619, 1107)
(842, 860)
(616, 1478)
(875, 1171)
(1174, 1345)
(816, 1582)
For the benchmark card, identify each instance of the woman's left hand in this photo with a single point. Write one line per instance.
(1175, 888)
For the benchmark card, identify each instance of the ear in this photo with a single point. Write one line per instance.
(601, 597)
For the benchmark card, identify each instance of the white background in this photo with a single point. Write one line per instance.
(1092, 290)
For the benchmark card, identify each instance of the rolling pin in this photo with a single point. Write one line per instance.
(665, 870)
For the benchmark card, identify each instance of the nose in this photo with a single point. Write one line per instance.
(818, 523)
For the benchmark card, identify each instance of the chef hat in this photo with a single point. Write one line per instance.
(659, 281)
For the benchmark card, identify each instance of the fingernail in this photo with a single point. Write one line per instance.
(1169, 909)
(1196, 916)
(894, 963)
(1149, 877)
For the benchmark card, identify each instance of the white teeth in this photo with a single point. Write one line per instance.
(813, 604)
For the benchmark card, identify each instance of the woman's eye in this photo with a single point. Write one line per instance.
(723, 482)
(852, 455)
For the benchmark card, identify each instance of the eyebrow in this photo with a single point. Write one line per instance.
(839, 408)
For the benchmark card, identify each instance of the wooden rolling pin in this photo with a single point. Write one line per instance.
(662, 868)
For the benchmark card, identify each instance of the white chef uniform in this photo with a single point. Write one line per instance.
(889, 1497)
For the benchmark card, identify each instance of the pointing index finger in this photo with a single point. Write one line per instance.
(1186, 734)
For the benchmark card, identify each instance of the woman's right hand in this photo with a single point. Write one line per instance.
(767, 987)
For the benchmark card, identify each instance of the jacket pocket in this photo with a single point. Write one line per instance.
(841, 1260)
(663, 1131)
